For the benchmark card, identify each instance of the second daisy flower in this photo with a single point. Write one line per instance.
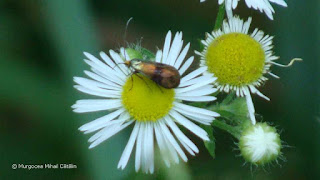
(238, 60)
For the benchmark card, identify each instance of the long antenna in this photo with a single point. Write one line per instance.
(125, 38)
(126, 29)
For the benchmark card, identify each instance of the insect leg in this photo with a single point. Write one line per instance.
(131, 74)
(136, 73)
(131, 82)
(159, 87)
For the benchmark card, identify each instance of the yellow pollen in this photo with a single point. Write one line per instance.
(235, 59)
(144, 100)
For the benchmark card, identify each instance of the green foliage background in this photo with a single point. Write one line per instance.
(41, 45)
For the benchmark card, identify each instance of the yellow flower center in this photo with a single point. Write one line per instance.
(235, 59)
(145, 100)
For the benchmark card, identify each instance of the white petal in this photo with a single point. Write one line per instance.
(180, 135)
(112, 65)
(166, 47)
(103, 67)
(280, 2)
(122, 118)
(197, 80)
(158, 56)
(189, 125)
(108, 134)
(92, 105)
(139, 147)
(170, 149)
(109, 74)
(110, 124)
(91, 84)
(198, 92)
(197, 119)
(175, 49)
(145, 151)
(195, 86)
(103, 131)
(273, 75)
(186, 65)
(148, 165)
(102, 120)
(204, 118)
(124, 54)
(196, 109)
(250, 106)
(117, 58)
(182, 56)
(196, 99)
(234, 4)
(151, 148)
(107, 94)
(112, 85)
(228, 4)
(173, 142)
(256, 91)
(129, 147)
(164, 150)
(193, 74)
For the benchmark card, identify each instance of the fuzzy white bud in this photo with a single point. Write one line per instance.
(260, 144)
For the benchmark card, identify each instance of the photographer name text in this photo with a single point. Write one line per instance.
(44, 166)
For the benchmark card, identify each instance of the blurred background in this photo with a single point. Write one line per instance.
(41, 45)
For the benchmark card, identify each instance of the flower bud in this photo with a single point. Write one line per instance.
(260, 144)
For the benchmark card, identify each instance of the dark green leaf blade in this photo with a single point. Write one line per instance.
(211, 144)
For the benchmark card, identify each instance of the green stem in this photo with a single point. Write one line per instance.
(230, 129)
(220, 17)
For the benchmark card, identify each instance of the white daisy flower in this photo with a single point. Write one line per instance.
(261, 5)
(154, 110)
(260, 144)
(239, 60)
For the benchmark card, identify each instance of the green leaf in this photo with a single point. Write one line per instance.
(199, 104)
(238, 107)
(220, 17)
(232, 109)
(229, 98)
(233, 130)
(211, 144)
